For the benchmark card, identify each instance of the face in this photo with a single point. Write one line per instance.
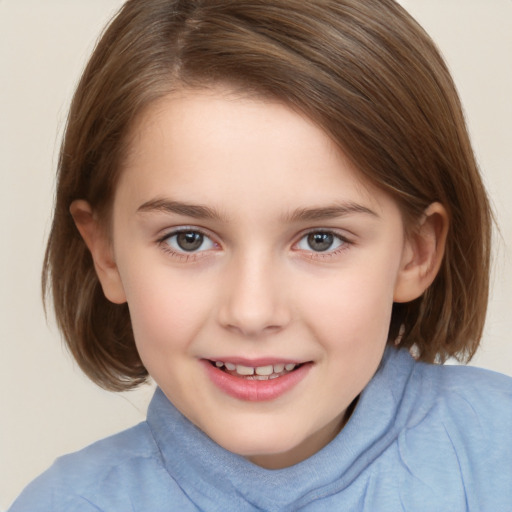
(259, 270)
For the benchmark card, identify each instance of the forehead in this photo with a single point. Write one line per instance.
(216, 143)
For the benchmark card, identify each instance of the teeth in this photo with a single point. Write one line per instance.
(265, 372)
(244, 370)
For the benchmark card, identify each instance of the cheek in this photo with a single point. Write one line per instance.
(353, 307)
(166, 310)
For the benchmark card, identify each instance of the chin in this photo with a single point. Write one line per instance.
(249, 444)
(282, 449)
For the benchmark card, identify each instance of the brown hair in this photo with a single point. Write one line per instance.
(365, 71)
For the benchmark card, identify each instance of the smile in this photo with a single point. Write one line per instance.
(267, 372)
(264, 382)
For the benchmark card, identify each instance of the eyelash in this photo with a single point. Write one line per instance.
(345, 244)
(185, 256)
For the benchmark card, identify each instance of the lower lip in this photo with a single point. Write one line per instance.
(255, 390)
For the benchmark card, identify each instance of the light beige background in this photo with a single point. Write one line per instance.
(46, 406)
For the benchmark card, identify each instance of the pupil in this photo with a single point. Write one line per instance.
(320, 241)
(189, 241)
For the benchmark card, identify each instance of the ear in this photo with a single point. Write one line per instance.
(423, 254)
(100, 246)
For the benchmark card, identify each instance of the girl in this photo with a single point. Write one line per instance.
(268, 206)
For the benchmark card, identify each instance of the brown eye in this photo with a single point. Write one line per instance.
(189, 241)
(320, 242)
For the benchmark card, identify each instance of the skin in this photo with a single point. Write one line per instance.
(256, 178)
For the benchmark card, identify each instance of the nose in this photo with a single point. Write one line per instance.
(254, 298)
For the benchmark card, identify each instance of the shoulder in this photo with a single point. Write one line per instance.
(455, 431)
(86, 480)
(464, 393)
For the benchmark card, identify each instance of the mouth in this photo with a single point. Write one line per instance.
(261, 373)
(265, 381)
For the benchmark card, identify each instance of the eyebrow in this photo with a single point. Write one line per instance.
(195, 211)
(329, 212)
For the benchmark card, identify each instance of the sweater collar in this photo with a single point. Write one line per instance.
(211, 475)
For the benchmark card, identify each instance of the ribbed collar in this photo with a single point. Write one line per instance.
(216, 479)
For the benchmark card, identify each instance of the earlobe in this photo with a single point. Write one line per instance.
(423, 254)
(100, 247)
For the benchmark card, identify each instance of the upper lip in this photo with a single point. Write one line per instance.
(255, 363)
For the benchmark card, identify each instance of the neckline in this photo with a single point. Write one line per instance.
(206, 471)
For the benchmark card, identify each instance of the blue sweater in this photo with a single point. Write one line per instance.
(422, 438)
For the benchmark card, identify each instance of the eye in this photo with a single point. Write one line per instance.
(188, 241)
(320, 241)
